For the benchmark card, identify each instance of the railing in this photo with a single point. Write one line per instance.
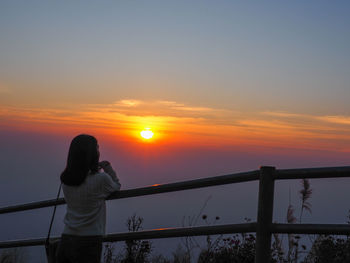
(263, 227)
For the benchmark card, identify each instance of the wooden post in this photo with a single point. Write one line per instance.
(265, 213)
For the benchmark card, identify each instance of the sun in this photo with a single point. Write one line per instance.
(146, 133)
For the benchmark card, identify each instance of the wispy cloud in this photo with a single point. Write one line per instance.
(128, 103)
(182, 107)
(345, 120)
(161, 108)
(195, 123)
(282, 114)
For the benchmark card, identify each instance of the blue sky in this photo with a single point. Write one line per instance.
(240, 55)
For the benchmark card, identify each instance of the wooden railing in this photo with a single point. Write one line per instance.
(263, 227)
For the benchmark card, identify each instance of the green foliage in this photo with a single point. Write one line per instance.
(239, 248)
(181, 256)
(13, 255)
(136, 251)
(160, 259)
(235, 249)
(329, 249)
(108, 256)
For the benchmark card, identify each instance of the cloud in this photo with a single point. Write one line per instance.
(170, 103)
(161, 108)
(195, 123)
(183, 107)
(345, 120)
(128, 103)
(282, 114)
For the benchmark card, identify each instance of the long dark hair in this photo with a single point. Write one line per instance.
(83, 157)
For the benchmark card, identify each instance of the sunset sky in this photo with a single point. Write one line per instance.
(225, 86)
(229, 73)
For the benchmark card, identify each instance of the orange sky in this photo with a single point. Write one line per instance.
(229, 75)
(175, 123)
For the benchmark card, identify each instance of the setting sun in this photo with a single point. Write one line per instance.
(146, 134)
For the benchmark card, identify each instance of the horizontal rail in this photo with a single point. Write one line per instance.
(263, 228)
(155, 189)
(30, 206)
(320, 229)
(327, 172)
(187, 185)
(151, 234)
(281, 174)
(183, 232)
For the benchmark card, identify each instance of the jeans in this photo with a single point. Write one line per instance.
(79, 249)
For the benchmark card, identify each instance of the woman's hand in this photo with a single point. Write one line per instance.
(104, 164)
(107, 168)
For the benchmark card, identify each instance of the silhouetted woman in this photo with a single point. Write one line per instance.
(85, 190)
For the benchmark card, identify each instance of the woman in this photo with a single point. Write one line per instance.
(85, 189)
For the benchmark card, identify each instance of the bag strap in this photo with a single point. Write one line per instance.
(53, 215)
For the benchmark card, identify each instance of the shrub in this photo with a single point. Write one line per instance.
(235, 249)
(329, 249)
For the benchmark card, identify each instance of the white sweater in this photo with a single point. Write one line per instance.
(86, 205)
